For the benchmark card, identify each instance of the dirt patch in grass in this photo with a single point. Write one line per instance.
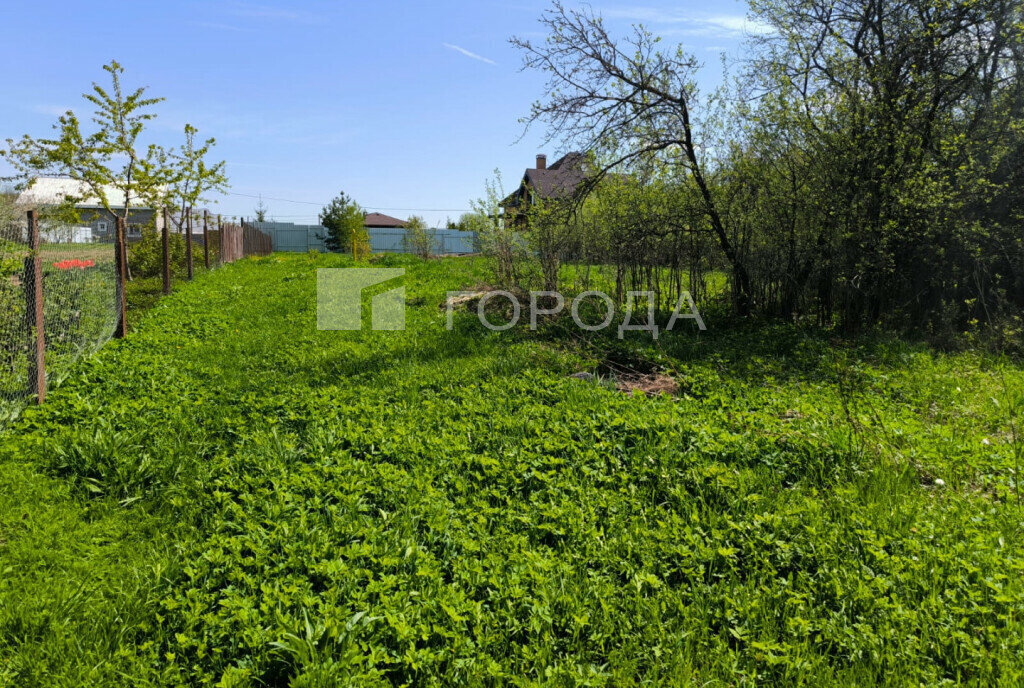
(498, 304)
(632, 374)
(651, 385)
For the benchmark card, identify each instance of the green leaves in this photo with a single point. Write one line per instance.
(188, 178)
(111, 165)
(343, 219)
(258, 502)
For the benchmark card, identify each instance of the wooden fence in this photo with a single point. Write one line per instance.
(239, 241)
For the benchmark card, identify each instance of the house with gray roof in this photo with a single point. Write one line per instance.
(52, 191)
(543, 183)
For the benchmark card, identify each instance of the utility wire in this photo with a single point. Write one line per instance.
(369, 207)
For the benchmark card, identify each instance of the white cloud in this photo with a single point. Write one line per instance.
(691, 23)
(53, 110)
(218, 27)
(738, 23)
(468, 54)
(255, 11)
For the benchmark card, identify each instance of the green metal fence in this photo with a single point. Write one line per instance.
(287, 236)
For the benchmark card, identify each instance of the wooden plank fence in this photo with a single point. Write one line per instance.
(239, 241)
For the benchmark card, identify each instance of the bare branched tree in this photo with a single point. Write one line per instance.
(627, 100)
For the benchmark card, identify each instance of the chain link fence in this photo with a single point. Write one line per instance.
(60, 291)
(76, 295)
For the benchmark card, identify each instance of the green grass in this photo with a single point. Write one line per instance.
(230, 497)
(79, 315)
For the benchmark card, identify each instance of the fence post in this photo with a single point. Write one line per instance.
(121, 271)
(34, 311)
(206, 239)
(166, 236)
(188, 243)
(220, 240)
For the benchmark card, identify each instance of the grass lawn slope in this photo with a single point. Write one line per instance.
(231, 497)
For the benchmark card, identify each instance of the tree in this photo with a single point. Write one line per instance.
(360, 243)
(902, 122)
(497, 239)
(260, 210)
(189, 180)
(418, 238)
(343, 219)
(630, 102)
(471, 222)
(110, 164)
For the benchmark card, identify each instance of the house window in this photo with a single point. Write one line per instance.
(101, 227)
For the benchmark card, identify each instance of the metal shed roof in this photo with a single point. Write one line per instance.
(54, 190)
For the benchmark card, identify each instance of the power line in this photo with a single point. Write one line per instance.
(270, 198)
(370, 207)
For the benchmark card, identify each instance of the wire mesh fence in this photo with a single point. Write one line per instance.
(61, 290)
(77, 285)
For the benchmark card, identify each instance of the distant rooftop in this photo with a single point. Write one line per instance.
(382, 220)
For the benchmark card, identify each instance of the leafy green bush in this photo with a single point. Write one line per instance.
(419, 239)
(145, 257)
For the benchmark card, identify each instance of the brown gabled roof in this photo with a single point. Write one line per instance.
(568, 161)
(559, 180)
(382, 220)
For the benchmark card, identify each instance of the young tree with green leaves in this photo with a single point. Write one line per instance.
(343, 219)
(260, 210)
(190, 179)
(419, 239)
(497, 238)
(110, 164)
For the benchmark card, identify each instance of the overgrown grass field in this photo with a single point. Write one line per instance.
(231, 497)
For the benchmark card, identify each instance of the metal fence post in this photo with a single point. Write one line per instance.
(121, 271)
(206, 239)
(166, 236)
(188, 242)
(34, 312)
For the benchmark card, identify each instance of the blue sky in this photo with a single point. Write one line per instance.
(407, 107)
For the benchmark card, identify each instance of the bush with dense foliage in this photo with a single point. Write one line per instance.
(146, 256)
(419, 239)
